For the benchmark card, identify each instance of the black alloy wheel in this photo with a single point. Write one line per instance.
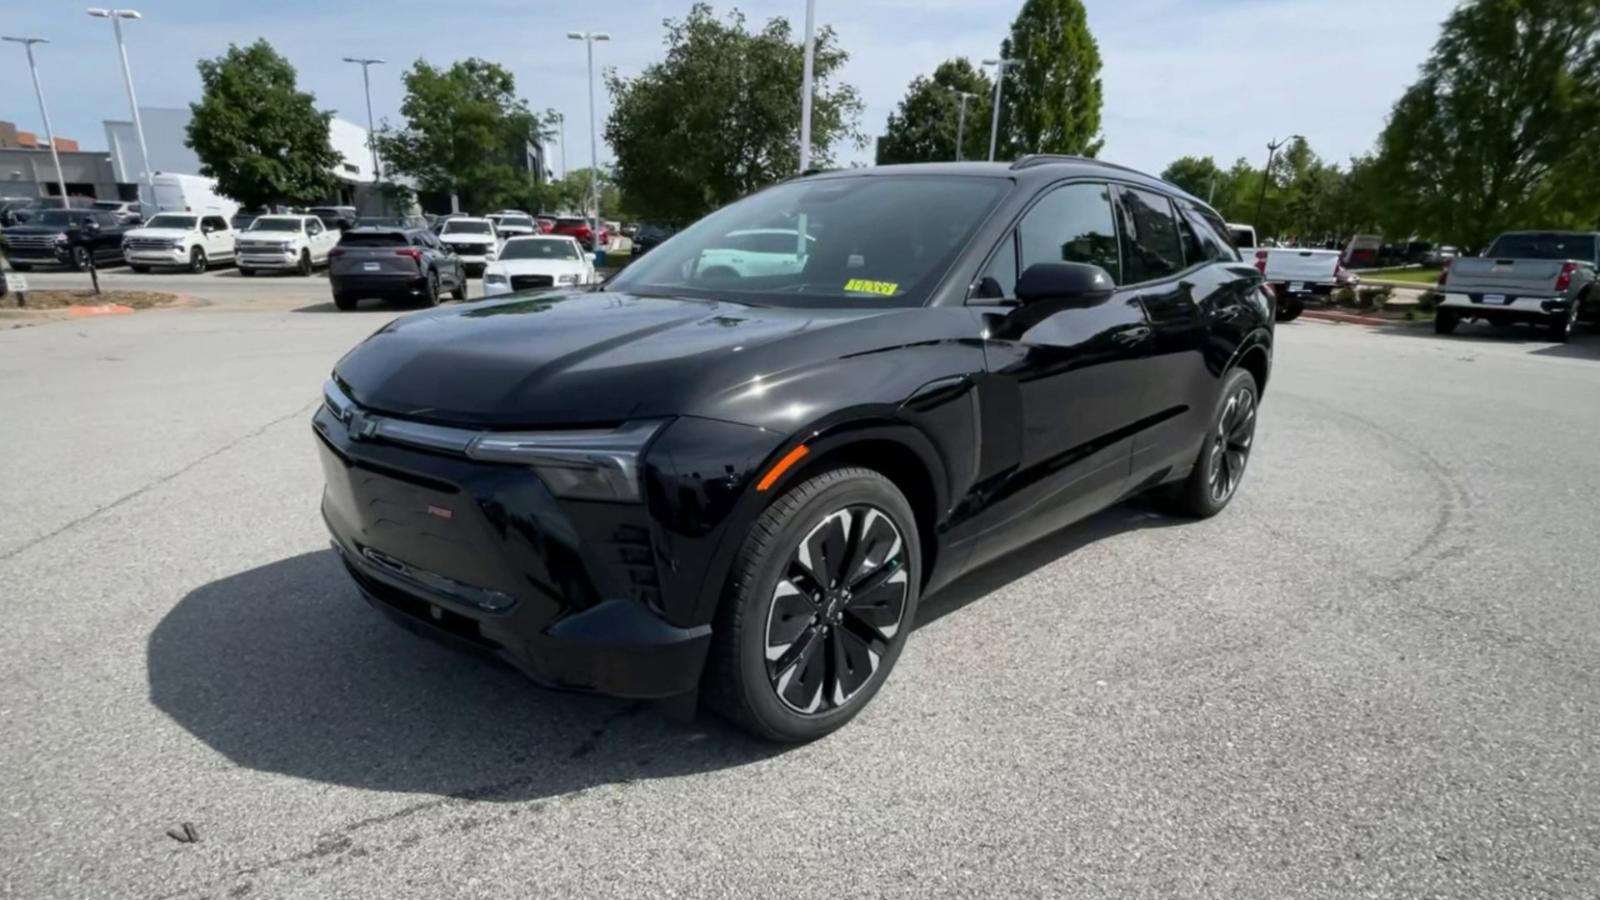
(818, 605)
(1230, 443)
(838, 604)
(80, 259)
(430, 293)
(1445, 321)
(304, 268)
(197, 260)
(1563, 325)
(1220, 464)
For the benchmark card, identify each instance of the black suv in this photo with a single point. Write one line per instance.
(738, 473)
(393, 264)
(67, 237)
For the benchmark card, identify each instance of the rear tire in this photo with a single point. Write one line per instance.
(430, 294)
(1291, 309)
(1445, 321)
(345, 302)
(827, 623)
(1224, 454)
(1562, 326)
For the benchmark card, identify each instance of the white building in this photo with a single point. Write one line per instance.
(165, 131)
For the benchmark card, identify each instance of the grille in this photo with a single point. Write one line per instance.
(150, 244)
(472, 249)
(254, 247)
(31, 241)
(524, 282)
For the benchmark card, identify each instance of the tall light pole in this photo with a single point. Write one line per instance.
(561, 120)
(961, 121)
(588, 38)
(1000, 66)
(1266, 174)
(44, 112)
(116, 16)
(372, 132)
(806, 74)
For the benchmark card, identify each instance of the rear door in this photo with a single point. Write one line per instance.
(217, 237)
(1066, 385)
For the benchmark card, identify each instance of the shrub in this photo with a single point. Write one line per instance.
(1344, 297)
(1429, 301)
(1374, 298)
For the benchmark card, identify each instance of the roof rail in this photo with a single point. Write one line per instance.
(1041, 159)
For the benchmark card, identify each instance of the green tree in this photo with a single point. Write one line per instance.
(464, 128)
(1199, 175)
(1499, 130)
(257, 134)
(719, 117)
(1050, 102)
(925, 125)
(573, 194)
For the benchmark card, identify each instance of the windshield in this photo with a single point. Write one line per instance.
(540, 249)
(276, 223)
(516, 222)
(882, 240)
(373, 239)
(167, 220)
(1543, 245)
(107, 204)
(571, 223)
(58, 217)
(456, 226)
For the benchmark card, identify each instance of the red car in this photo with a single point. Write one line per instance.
(579, 228)
(546, 224)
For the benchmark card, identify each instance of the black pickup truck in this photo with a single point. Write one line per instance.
(66, 237)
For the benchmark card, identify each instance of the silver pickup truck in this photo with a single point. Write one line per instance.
(1542, 277)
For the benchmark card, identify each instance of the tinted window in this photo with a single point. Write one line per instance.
(1543, 245)
(1204, 235)
(1151, 247)
(372, 239)
(537, 249)
(276, 223)
(999, 279)
(1071, 224)
(517, 221)
(456, 226)
(105, 220)
(169, 220)
(215, 222)
(570, 223)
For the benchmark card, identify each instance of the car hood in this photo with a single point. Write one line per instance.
(536, 266)
(159, 234)
(574, 358)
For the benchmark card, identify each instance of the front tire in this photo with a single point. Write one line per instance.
(140, 269)
(80, 259)
(459, 292)
(304, 268)
(197, 261)
(246, 273)
(1219, 467)
(821, 599)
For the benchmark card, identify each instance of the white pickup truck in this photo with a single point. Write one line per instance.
(1293, 272)
(189, 240)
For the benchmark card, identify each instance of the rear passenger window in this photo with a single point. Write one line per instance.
(1072, 224)
(1151, 246)
(1209, 234)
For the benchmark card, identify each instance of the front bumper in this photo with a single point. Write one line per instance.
(39, 256)
(1514, 307)
(484, 556)
(177, 256)
(257, 259)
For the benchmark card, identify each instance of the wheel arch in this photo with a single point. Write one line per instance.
(1255, 356)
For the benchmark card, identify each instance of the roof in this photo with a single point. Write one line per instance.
(1036, 168)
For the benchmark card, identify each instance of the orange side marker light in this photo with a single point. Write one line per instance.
(783, 465)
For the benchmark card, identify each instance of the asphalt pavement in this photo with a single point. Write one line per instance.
(1373, 676)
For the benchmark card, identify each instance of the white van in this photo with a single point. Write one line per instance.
(190, 194)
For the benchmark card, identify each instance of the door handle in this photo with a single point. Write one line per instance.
(1130, 336)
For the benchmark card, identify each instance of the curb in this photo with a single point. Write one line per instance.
(1346, 318)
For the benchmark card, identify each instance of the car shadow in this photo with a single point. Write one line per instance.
(284, 669)
(1584, 343)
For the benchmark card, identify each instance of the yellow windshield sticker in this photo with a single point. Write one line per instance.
(867, 286)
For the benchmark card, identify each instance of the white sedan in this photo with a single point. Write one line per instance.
(531, 263)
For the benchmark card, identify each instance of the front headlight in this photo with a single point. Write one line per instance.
(61, 239)
(567, 279)
(591, 464)
(494, 278)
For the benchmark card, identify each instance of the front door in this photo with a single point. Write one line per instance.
(1065, 392)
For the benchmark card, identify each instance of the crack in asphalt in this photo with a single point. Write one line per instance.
(138, 492)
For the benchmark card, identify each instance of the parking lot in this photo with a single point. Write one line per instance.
(1374, 675)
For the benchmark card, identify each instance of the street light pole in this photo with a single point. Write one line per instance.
(588, 38)
(372, 133)
(116, 16)
(44, 112)
(1266, 174)
(961, 122)
(1000, 66)
(561, 118)
(806, 75)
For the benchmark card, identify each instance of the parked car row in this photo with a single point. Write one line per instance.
(415, 266)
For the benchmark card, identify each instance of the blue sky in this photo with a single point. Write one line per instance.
(1206, 77)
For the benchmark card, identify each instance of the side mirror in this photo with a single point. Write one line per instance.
(1074, 284)
(91, 226)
